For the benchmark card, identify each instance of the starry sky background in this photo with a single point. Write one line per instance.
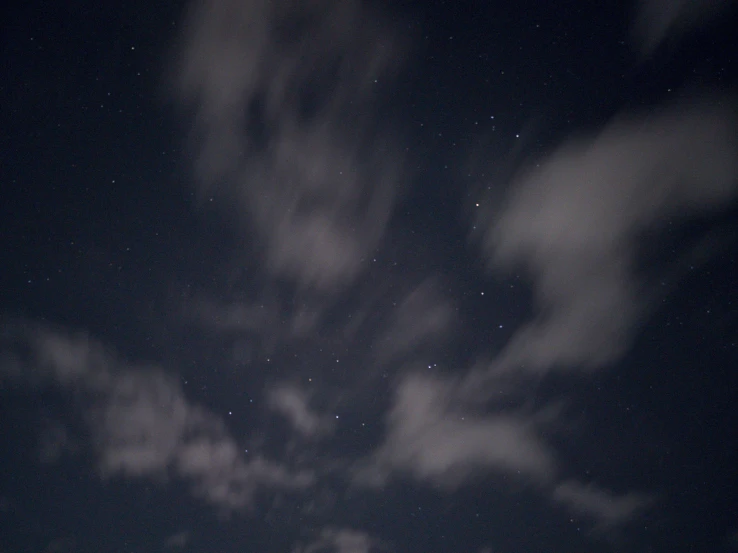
(317, 276)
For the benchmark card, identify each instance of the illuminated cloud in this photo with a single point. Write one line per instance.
(282, 93)
(431, 437)
(573, 224)
(292, 403)
(142, 423)
(604, 508)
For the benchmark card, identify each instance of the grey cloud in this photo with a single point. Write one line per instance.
(656, 20)
(574, 221)
(604, 507)
(433, 441)
(281, 92)
(423, 317)
(143, 425)
(140, 423)
(292, 403)
(427, 438)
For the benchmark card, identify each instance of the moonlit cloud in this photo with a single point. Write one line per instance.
(142, 423)
(283, 97)
(292, 403)
(282, 93)
(605, 508)
(574, 221)
(431, 437)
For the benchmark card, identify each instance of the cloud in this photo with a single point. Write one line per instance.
(429, 439)
(657, 20)
(424, 317)
(574, 223)
(606, 509)
(432, 438)
(142, 423)
(292, 403)
(282, 94)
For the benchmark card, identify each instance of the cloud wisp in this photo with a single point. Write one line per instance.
(283, 94)
(141, 421)
(293, 404)
(573, 223)
(605, 508)
(431, 437)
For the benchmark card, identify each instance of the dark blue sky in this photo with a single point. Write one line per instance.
(355, 277)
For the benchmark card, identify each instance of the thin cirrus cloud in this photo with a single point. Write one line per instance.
(141, 421)
(282, 95)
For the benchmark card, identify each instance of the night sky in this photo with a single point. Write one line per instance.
(336, 276)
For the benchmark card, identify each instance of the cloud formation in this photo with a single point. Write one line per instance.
(292, 403)
(603, 507)
(282, 93)
(431, 437)
(574, 221)
(141, 421)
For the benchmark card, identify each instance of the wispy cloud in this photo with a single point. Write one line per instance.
(574, 222)
(292, 403)
(141, 421)
(605, 508)
(282, 94)
(431, 437)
